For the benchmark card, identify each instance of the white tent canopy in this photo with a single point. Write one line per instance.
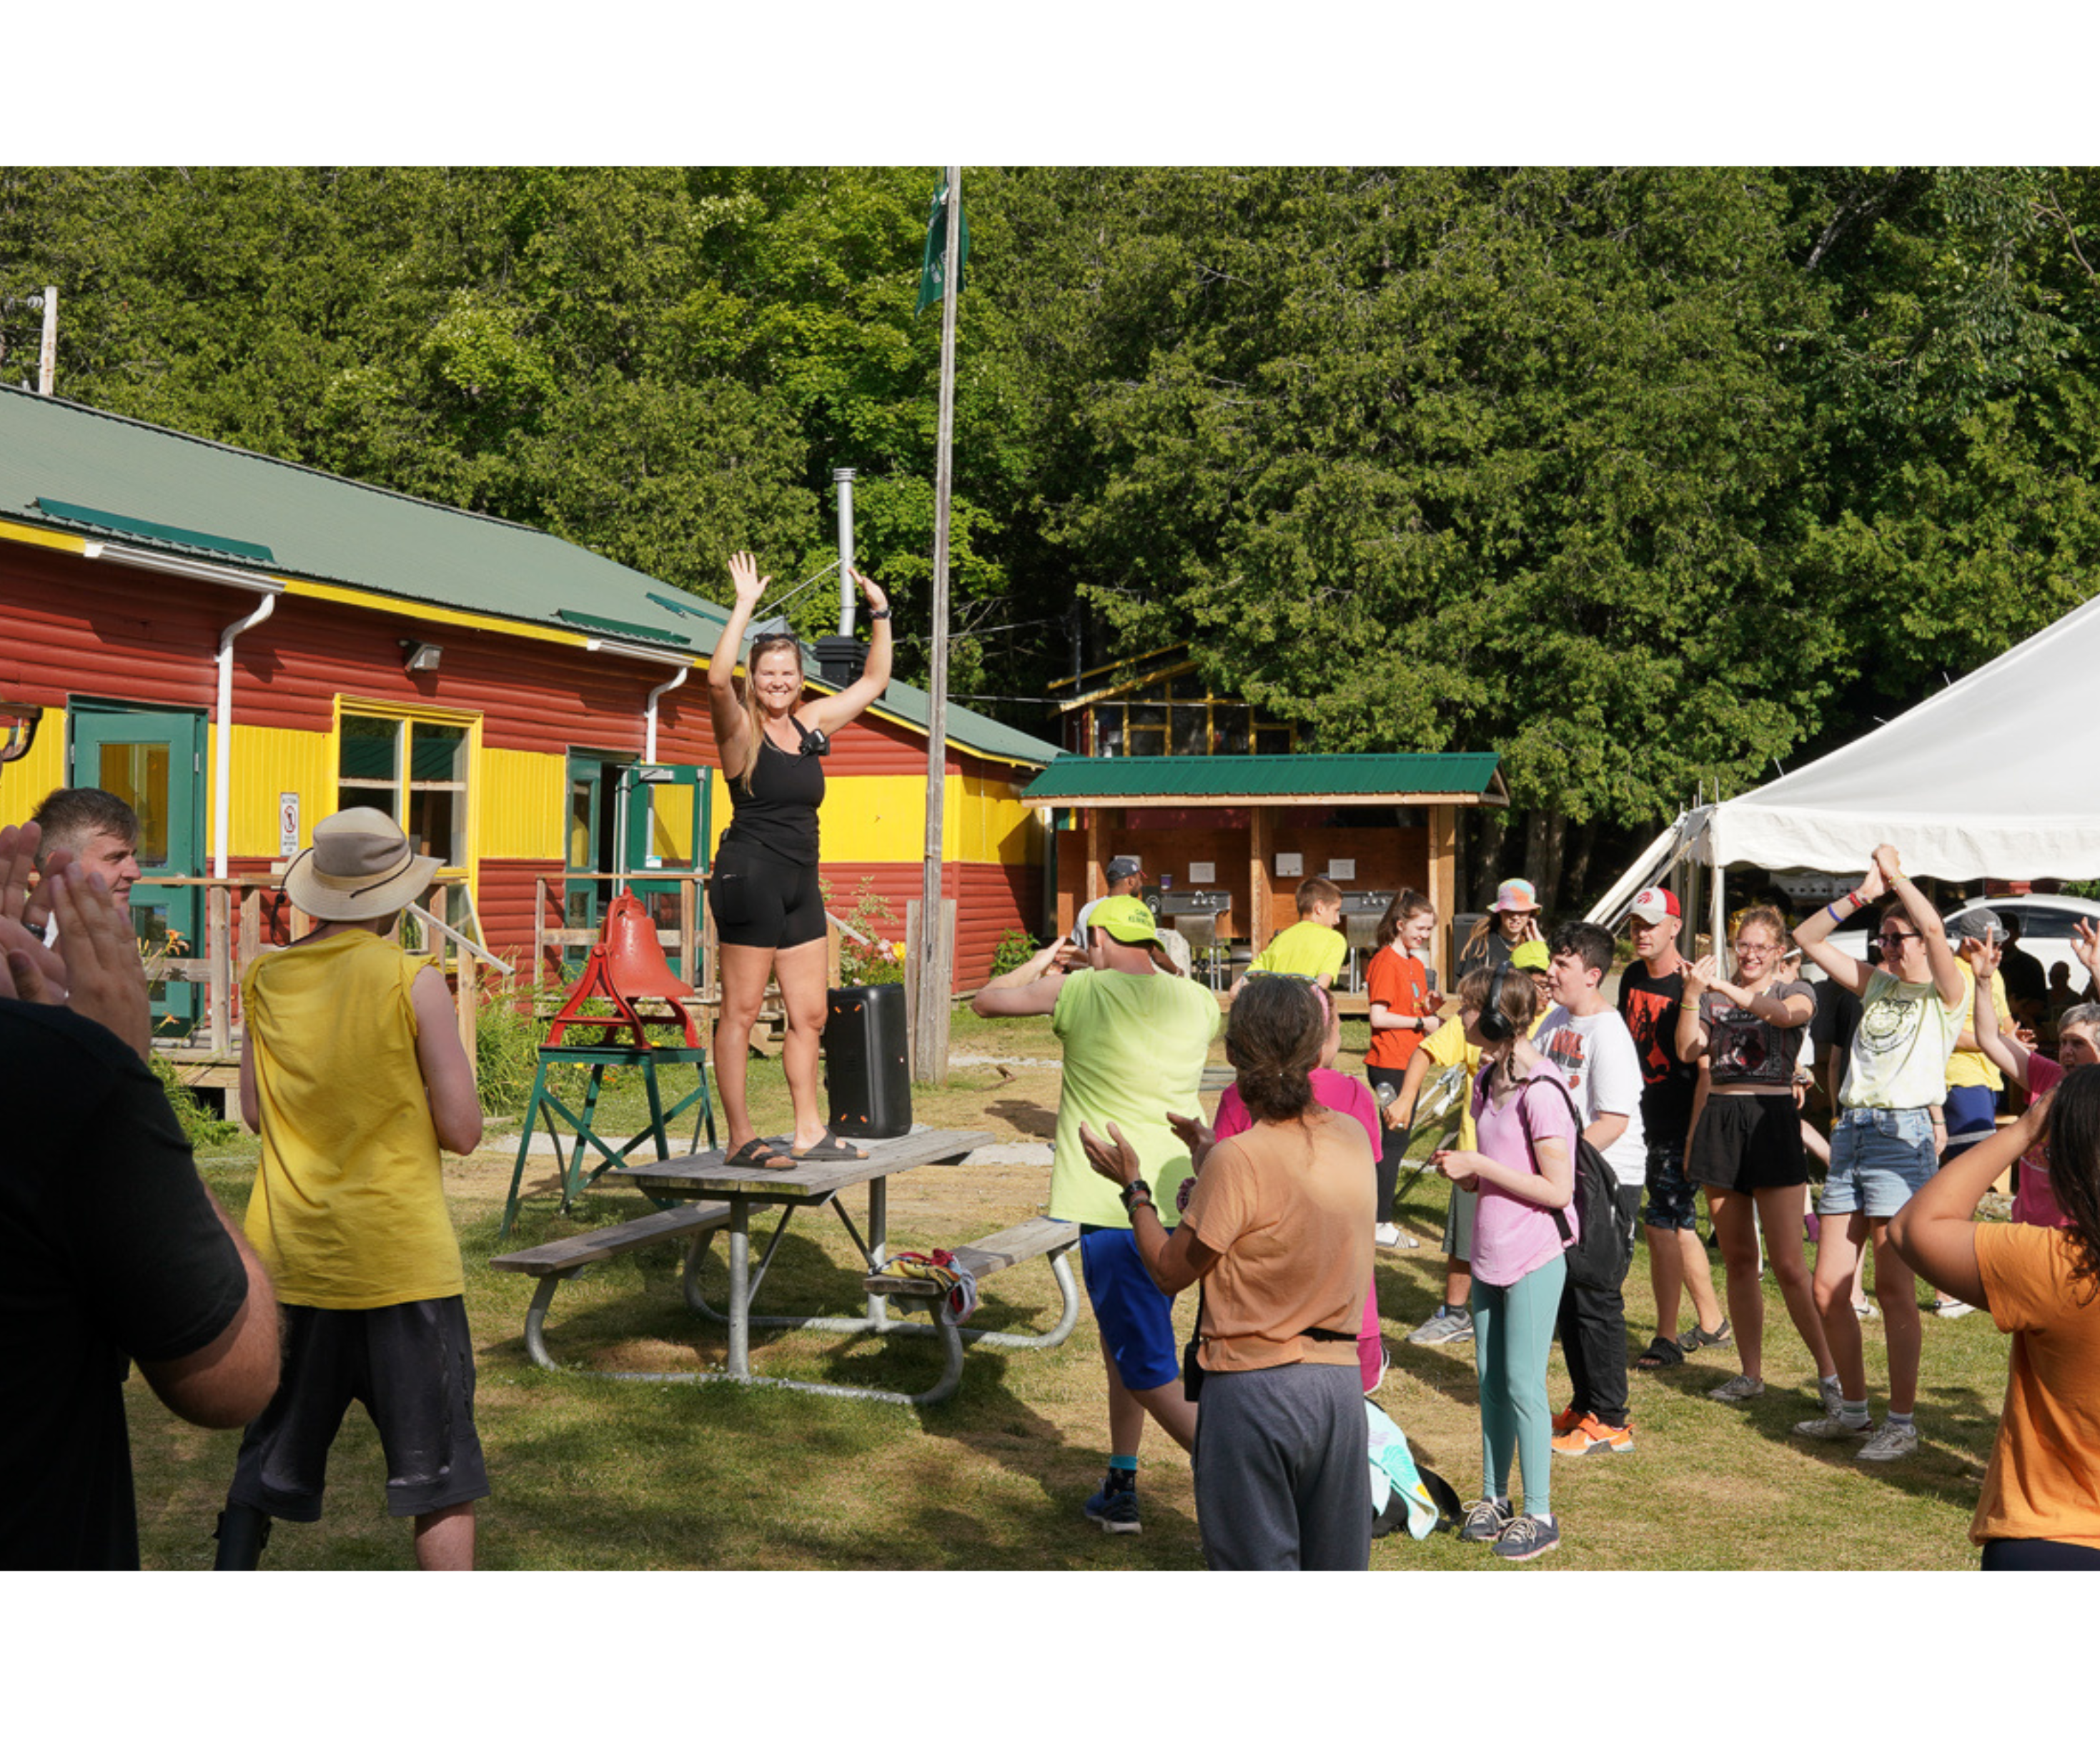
(1980, 779)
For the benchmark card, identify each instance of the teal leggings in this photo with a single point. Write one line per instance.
(1513, 1332)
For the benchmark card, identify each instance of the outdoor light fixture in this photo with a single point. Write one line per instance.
(18, 730)
(423, 656)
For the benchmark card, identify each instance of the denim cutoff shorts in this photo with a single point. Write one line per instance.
(1878, 1158)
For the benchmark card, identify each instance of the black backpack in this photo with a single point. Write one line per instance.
(1600, 1258)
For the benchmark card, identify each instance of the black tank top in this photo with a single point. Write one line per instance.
(777, 811)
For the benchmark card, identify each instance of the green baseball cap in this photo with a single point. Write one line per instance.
(1127, 920)
(1531, 955)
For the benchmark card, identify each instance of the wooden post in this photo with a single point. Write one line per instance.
(935, 979)
(1096, 862)
(469, 1004)
(251, 927)
(1444, 886)
(1258, 852)
(539, 931)
(219, 931)
(914, 918)
(689, 940)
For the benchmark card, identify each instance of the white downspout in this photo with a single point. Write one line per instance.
(649, 741)
(222, 779)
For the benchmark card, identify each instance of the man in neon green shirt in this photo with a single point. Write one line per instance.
(1136, 1038)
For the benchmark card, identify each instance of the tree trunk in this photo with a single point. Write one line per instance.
(1545, 833)
(1584, 846)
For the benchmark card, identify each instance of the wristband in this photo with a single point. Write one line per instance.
(878, 617)
(1136, 1192)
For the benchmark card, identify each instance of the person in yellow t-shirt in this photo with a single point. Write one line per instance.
(1313, 948)
(1453, 1322)
(352, 1071)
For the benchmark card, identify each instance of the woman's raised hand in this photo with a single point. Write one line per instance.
(2085, 944)
(1983, 952)
(744, 577)
(877, 601)
(1701, 974)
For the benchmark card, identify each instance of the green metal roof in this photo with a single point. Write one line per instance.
(1308, 776)
(166, 490)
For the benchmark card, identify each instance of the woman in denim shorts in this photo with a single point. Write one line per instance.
(1882, 1150)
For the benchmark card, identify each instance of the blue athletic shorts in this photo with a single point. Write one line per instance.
(1135, 1317)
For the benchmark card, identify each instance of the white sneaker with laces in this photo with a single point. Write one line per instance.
(1830, 1429)
(1949, 1308)
(1387, 1234)
(1892, 1441)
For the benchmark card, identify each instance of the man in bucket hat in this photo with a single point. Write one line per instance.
(351, 1069)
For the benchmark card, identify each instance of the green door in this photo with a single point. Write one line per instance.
(664, 810)
(154, 760)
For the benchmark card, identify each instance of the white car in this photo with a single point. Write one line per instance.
(2044, 918)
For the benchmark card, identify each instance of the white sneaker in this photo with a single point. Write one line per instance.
(1949, 1308)
(1892, 1441)
(1387, 1234)
(1830, 1429)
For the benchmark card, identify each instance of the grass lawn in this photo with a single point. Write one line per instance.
(596, 1475)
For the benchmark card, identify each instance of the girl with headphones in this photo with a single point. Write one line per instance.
(1523, 1170)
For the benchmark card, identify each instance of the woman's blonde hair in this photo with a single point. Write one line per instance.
(754, 719)
(1761, 917)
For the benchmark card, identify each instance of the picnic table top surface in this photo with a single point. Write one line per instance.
(703, 1175)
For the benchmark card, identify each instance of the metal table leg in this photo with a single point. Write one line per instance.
(878, 1245)
(739, 1289)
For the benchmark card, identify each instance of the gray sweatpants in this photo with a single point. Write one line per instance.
(1283, 1472)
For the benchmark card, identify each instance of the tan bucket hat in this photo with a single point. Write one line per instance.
(359, 866)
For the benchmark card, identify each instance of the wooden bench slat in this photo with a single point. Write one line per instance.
(609, 1243)
(985, 1258)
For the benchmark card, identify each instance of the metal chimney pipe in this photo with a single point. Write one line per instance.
(844, 478)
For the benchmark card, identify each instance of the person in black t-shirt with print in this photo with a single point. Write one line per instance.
(1649, 994)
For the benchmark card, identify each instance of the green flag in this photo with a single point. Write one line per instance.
(936, 244)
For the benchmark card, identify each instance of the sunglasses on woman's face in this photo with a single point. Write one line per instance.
(1899, 936)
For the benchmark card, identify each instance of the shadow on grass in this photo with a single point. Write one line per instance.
(1026, 1117)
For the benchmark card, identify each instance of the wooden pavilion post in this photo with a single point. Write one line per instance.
(1443, 884)
(1259, 913)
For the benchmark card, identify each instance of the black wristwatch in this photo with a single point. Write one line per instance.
(1136, 1192)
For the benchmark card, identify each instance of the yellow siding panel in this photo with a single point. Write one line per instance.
(269, 762)
(28, 780)
(868, 819)
(522, 806)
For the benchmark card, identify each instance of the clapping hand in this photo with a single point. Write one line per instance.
(2085, 944)
(1199, 1137)
(1115, 1161)
(95, 971)
(18, 861)
(876, 599)
(1873, 883)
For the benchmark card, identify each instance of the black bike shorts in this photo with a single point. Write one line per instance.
(760, 901)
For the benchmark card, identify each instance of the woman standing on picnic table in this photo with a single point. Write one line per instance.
(1746, 1146)
(1278, 1231)
(769, 912)
(2037, 1511)
(1523, 1175)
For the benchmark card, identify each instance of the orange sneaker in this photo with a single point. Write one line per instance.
(1592, 1436)
(1570, 1419)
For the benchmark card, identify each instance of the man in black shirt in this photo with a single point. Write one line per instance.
(1649, 996)
(114, 1249)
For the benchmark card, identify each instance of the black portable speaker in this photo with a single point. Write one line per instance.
(867, 1061)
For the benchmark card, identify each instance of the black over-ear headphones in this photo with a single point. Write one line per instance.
(1495, 1026)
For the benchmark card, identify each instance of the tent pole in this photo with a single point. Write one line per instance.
(1719, 906)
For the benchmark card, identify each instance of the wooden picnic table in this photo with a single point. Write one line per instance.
(807, 1185)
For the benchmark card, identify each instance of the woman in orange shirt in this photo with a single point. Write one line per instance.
(2040, 1505)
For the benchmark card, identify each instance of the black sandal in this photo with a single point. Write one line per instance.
(1661, 1353)
(1695, 1335)
(759, 1156)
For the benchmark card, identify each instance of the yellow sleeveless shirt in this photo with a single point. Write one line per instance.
(349, 1209)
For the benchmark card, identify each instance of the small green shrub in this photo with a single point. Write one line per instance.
(1015, 948)
(507, 1033)
(879, 960)
(204, 1128)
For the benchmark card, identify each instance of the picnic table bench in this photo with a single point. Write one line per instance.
(727, 1198)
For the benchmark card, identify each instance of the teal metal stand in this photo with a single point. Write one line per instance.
(545, 1103)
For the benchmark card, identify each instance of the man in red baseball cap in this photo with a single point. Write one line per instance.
(1649, 994)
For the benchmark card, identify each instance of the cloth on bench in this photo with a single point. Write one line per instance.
(959, 1287)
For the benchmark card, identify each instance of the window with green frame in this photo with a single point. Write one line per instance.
(415, 770)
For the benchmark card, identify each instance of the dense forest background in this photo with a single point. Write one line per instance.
(1648, 479)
